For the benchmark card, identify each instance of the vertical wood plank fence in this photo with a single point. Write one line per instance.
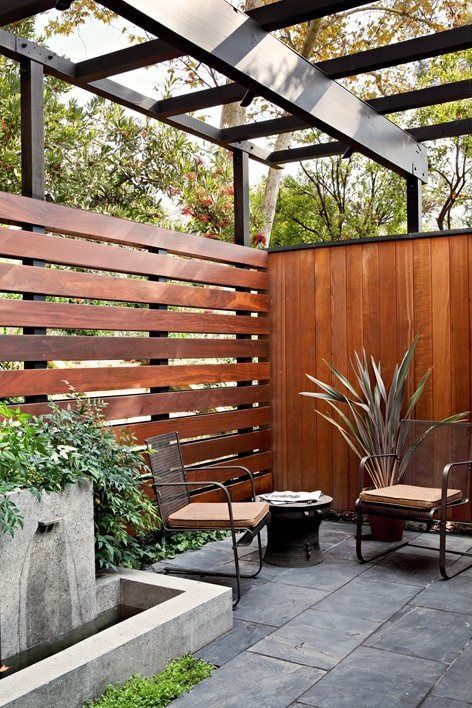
(329, 301)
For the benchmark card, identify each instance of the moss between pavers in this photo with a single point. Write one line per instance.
(178, 677)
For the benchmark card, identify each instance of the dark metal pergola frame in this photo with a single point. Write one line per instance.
(241, 47)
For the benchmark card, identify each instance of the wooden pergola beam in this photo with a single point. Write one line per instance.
(232, 43)
(446, 42)
(200, 100)
(449, 129)
(16, 10)
(123, 60)
(430, 96)
(285, 13)
(431, 45)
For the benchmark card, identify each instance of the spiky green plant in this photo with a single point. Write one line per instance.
(370, 421)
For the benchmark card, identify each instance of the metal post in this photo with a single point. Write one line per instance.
(241, 197)
(241, 237)
(414, 204)
(159, 334)
(32, 168)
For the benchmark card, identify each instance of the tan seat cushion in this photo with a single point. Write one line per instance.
(408, 495)
(215, 514)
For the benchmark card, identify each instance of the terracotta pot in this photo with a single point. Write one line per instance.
(384, 528)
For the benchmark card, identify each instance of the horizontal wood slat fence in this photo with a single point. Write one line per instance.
(213, 383)
(329, 301)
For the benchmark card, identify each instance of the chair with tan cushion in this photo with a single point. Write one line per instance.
(179, 513)
(432, 475)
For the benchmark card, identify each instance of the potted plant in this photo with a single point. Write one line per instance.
(368, 415)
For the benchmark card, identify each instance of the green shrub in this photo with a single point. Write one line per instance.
(178, 677)
(47, 453)
(30, 459)
(115, 466)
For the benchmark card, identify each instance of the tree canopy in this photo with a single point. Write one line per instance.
(103, 157)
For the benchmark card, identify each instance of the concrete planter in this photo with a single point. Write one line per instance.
(183, 616)
(48, 592)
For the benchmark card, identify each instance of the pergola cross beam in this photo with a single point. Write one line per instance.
(418, 98)
(448, 41)
(153, 52)
(285, 13)
(430, 45)
(424, 133)
(16, 10)
(230, 42)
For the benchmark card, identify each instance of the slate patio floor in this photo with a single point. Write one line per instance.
(388, 633)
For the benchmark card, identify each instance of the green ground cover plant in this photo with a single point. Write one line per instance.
(178, 677)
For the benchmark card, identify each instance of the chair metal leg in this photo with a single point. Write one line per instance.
(359, 554)
(359, 537)
(442, 555)
(201, 572)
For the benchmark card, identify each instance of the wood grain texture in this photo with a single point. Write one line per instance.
(25, 313)
(88, 348)
(71, 252)
(240, 491)
(48, 281)
(373, 296)
(197, 425)
(100, 227)
(144, 404)
(224, 446)
(36, 381)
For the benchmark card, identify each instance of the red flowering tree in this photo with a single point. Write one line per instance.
(206, 198)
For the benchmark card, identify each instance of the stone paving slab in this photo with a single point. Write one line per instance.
(461, 544)
(369, 598)
(276, 605)
(329, 575)
(457, 681)
(241, 637)
(374, 679)
(346, 550)
(438, 595)
(316, 639)
(251, 681)
(436, 702)
(414, 566)
(426, 633)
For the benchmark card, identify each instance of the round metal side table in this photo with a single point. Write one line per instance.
(293, 533)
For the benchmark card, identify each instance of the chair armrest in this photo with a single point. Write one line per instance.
(364, 462)
(228, 467)
(445, 481)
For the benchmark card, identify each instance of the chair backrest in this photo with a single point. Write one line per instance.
(165, 460)
(426, 446)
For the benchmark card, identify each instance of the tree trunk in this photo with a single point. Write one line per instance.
(232, 113)
(272, 186)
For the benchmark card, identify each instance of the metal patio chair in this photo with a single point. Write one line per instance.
(178, 514)
(437, 477)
